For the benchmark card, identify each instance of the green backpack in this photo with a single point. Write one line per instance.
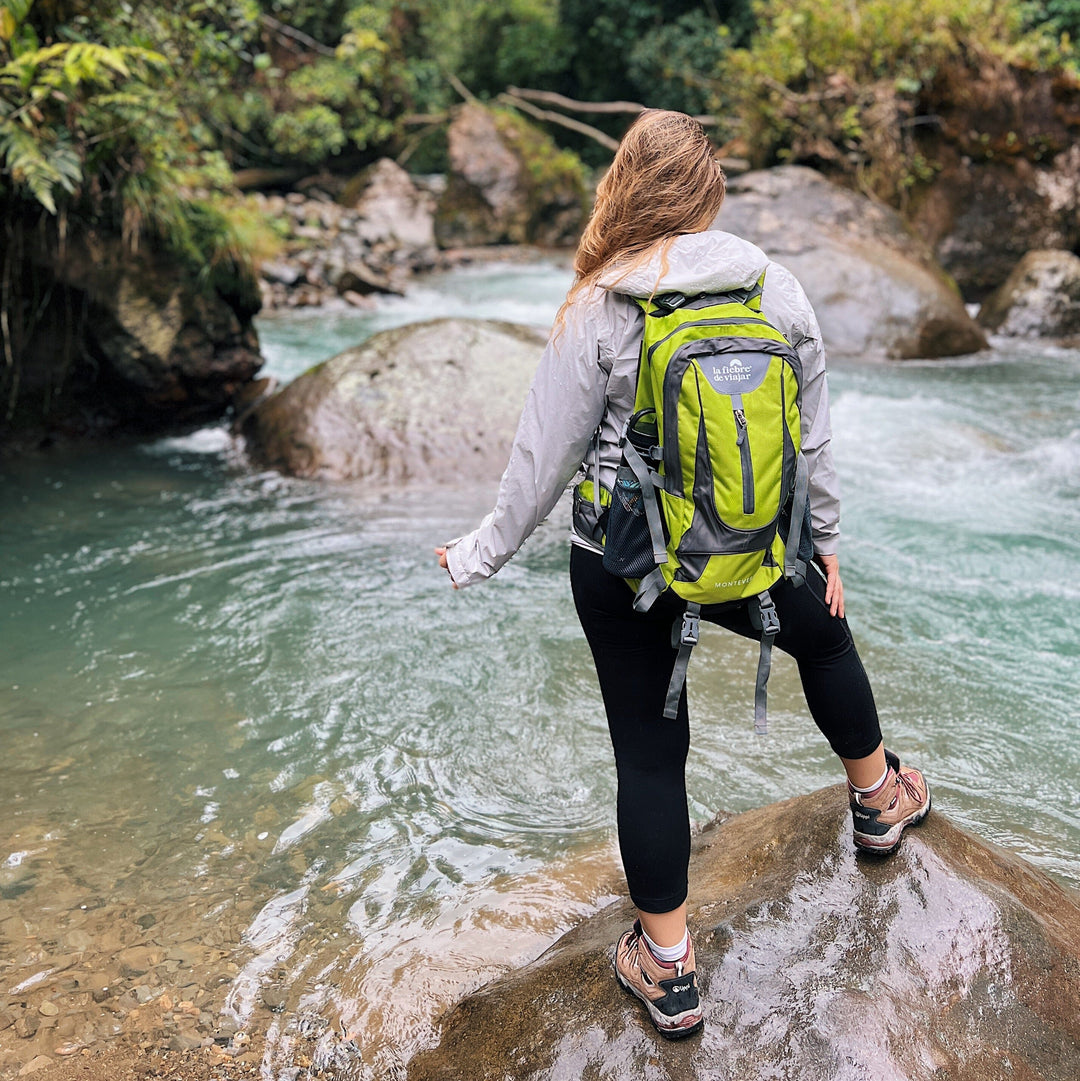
(711, 468)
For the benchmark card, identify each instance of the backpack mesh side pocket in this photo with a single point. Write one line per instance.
(628, 548)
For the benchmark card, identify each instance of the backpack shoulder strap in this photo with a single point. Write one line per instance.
(753, 296)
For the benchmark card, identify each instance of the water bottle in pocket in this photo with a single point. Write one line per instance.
(628, 547)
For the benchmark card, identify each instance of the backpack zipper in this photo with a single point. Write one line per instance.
(742, 441)
(730, 321)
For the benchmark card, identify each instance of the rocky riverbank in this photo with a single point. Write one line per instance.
(953, 959)
(507, 185)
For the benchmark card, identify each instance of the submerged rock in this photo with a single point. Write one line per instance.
(435, 401)
(1039, 299)
(951, 960)
(876, 289)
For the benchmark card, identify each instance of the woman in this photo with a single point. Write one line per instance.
(651, 232)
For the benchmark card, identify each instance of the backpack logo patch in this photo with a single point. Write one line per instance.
(735, 373)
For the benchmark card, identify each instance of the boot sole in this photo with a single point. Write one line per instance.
(669, 1033)
(884, 846)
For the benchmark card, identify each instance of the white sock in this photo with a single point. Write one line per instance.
(877, 784)
(668, 953)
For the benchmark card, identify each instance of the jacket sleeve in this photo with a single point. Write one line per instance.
(786, 306)
(562, 410)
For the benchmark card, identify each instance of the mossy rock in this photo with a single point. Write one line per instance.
(508, 184)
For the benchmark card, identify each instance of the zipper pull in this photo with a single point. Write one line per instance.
(740, 423)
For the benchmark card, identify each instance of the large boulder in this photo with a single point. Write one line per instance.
(1039, 299)
(508, 184)
(110, 339)
(952, 960)
(432, 401)
(877, 290)
(394, 214)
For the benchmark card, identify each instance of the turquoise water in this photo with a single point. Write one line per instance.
(250, 710)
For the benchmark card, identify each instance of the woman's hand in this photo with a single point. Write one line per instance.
(441, 553)
(834, 588)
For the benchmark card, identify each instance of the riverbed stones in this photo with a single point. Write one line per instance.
(877, 290)
(379, 233)
(1039, 299)
(433, 401)
(953, 959)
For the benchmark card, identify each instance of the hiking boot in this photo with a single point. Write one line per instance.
(880, 817)
(668, 989)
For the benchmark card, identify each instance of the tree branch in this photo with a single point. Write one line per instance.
(462, 90)
(602, 138)
(549, 97)
(284, 29)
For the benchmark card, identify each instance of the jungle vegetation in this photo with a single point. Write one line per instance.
(140, 115)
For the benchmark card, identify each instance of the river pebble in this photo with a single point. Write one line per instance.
(26, 1026)
(38, 1062)
(48, 1009)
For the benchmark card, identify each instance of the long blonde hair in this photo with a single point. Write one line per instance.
(664, 181)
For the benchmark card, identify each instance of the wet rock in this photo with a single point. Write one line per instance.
(951, 960)
(147, 921)
(508, 184)
(877, 290)
(1039, 299)
(7, 1019)
(26, 1025)
(149, 345)
(184, 1041)
(431, 401)
(39, 1062)
(274, 998)
(360, 279)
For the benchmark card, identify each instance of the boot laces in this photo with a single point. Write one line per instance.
(909, 786)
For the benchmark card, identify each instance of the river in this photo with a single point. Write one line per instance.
(259, 757)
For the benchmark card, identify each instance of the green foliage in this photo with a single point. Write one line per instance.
(310, 133)
(57, 105)
(502, 43)
(840, 85)
(672, 66)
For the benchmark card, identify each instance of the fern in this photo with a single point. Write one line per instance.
(39, 166)
(59, 102)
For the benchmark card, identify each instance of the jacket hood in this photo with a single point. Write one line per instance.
(712, 261)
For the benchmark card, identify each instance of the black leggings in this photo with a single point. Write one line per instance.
(634, 658)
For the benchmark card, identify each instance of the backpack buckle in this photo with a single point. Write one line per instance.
(690, 633)
(770, 621)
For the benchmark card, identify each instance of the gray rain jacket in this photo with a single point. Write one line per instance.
(587, 378)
